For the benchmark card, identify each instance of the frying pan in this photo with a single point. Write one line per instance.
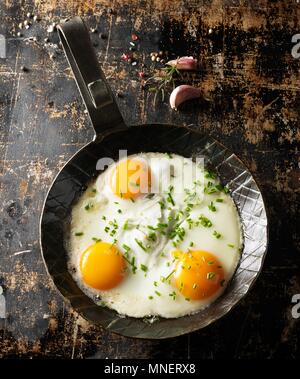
(112, 135)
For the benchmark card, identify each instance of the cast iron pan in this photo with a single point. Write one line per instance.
(111, 135)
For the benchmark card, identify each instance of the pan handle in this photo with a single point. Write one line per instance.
(93, 87)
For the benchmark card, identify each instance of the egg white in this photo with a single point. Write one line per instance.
(144, 294)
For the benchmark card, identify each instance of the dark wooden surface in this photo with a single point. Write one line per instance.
(253, 81)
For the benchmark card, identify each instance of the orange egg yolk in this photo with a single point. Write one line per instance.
(131, 178)
(198, 274)
(102, 266)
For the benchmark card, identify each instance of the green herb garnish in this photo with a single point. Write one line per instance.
(210, 275)
(125, 226)
(126, 248)
(217, 234)
(89, 206)
(152, 237)
(204, 221)
(140, 243)
(173, 295)
(170, 197)
(212, 207)
(79, 234)
(144, 268)
(210, 175)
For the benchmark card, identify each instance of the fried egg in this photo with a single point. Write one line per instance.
(154, 235)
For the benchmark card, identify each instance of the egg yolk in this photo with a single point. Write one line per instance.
(131, 178)
(102, 266)
(198, 274)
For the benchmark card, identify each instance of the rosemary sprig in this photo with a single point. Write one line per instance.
(159, 83)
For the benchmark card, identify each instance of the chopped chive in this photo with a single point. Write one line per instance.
(217, 234)
(89, 206)
(210, 188)
(190, 222)
(104, 218)
(187, 299)
(155, 283)
(126, 248)
(204, 221)
(171, 273)
(219, 200)
(96, 239)
(134, 268)
(162, 205)
(150, 195)
(125, 226)
(140, 243)
(178, 232)
(79, 234)
(212, 207)
(222, 283)
(150, 297)
(158, 293)
(161, 225)
(210, 175)
(210, 275)
(119, 210)
(114, 242)
(132, 263)
(210, 262)
(230, 245)
(173, 295)
(152, 237)
(94, 190)
(170, 197)
(144, 268)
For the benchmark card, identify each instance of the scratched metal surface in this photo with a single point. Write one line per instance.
(253, 81)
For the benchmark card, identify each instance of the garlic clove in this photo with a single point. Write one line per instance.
(183, 93)
(183, 63)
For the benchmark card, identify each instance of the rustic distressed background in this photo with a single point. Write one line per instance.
(246, 66)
